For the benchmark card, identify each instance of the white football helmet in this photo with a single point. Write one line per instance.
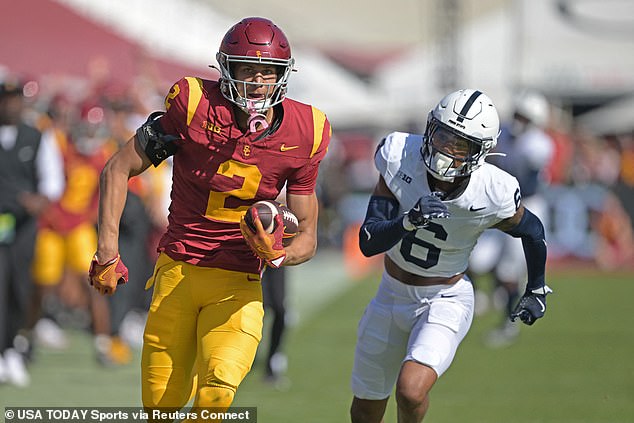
(461, 131)
(533, 106)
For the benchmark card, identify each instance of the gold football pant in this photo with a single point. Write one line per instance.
(55, 252)
(203, 327)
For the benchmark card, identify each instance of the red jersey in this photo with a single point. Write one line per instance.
(80, 201)
(219, 171)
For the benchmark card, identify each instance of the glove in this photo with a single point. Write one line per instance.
(268, 247)
(428, 207)
(105, 277)
(532, 305)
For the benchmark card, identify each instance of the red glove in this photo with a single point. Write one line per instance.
(266, 246)
(105, 277)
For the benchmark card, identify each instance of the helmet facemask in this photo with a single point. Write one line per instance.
(448, 153)
(232, 87)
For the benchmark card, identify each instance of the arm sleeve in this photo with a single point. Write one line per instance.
(382, 228)
(531, 230)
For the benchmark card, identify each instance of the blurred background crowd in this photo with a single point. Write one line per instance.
(84, 75)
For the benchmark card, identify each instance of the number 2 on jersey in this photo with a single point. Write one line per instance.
(250, 175)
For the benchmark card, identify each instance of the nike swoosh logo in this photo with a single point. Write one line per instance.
(541, 304)
(367, 233)
(448, 295)
(416, 208)
(283, 147)
(249, 278)
(473, 209)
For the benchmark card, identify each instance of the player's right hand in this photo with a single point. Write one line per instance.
(105, 277)
(268, 247)
(426, 208)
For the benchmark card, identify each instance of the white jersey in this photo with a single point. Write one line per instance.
(442, 248)
(527, 155)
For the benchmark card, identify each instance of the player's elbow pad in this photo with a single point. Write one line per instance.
(531, 230)
(382, 227)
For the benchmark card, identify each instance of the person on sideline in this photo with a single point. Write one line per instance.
(274, 283)
(235, 141)
(435, 196)
(31, 176)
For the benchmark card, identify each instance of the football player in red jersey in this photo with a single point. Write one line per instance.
(235, 141)
(66, 233)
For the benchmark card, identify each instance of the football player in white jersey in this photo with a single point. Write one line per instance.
(434, 197)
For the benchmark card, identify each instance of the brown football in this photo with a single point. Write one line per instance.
(267, 210)
(291, 223)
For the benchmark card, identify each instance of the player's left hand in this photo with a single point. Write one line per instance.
(107, 276)
(532, 305)
(268, 247)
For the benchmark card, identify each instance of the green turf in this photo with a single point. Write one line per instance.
(575, 366)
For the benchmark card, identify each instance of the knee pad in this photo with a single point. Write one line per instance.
(225, 374)
(219, 388)
(216, 397)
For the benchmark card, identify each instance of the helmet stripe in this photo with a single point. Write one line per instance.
(467, 105)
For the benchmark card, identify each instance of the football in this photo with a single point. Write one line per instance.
(291, 223)
(267, 210)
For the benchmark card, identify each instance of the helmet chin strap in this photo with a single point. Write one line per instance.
(255, 118)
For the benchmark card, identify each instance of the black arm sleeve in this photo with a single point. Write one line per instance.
(531, 230)
(156, 144)
(382, 227)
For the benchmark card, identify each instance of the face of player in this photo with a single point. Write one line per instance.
(258, 80)
(452, 145)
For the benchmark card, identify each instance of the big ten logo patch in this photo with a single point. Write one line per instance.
(404, 177)
(210, 127)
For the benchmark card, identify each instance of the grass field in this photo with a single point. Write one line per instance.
(575, 366)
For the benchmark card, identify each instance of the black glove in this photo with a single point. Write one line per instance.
(532, 305)
(426, 208)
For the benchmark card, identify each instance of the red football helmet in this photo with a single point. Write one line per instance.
(254, 40)
(90, 130)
